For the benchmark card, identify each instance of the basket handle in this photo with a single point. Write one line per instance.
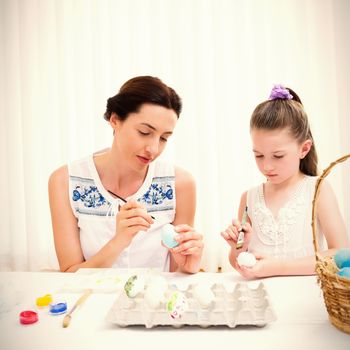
(317, 190)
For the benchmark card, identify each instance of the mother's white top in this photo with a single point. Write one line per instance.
(95, 209)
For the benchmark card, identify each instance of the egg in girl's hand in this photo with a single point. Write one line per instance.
(342, 258)
(344, 272)
(168, 234)
(134, 285)
(246, 259)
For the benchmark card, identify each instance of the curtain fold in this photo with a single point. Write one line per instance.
(62, 59)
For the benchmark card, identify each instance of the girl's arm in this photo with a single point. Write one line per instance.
(331, 221)
(66, 231)
(187, 256)
(331, 224)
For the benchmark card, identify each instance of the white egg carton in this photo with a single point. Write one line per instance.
(242, 306)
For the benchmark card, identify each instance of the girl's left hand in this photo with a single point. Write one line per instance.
(187, 255)
(265, 266)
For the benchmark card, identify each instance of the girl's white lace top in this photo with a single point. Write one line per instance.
(289, 235)
(95, 209)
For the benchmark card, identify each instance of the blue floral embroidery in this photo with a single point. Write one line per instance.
(157, 194)
(89, 195)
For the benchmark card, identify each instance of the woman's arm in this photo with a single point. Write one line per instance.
(130, 220)
(187, 256)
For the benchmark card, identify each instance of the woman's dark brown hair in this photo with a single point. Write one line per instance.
(139, 90)
(284, 113)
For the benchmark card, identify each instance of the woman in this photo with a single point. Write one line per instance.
(108, 209)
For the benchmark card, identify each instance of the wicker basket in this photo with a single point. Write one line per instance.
(336, 289)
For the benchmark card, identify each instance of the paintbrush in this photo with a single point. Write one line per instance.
(68, 317)
(240, 240)
(124, 200)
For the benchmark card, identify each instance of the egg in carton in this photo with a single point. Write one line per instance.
(201, 304)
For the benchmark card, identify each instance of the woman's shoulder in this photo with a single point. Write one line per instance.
(184, 178)
(77, 167)
(59, 177)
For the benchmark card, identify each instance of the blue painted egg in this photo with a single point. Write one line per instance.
(168, 234)
(344, 272)
(342, 258)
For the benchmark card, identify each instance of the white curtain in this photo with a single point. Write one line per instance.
(62, 59)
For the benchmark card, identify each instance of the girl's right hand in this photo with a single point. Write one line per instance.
(231, 233)
(131, 218)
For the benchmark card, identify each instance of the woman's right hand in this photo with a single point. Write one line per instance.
(131, 218)
(232, 231)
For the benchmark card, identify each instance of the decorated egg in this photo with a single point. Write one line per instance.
(134, 285)
(203, 294)
(168, 234)
(344, 272)
(342, 258)
(177, 304)
(246, 259)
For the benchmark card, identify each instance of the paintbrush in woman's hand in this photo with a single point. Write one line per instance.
(124, 200)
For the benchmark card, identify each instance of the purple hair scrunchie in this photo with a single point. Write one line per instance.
(280, 92)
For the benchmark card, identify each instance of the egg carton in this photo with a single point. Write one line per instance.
(242, 306)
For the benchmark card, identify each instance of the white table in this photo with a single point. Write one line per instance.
(302, 320)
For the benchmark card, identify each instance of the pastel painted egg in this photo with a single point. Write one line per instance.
(134, 285)
(342, 258)
(344, 272)
(168, 234)
(177, 305)
(246, 259)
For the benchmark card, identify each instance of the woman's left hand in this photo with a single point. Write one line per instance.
(265, 266)
(187, 255)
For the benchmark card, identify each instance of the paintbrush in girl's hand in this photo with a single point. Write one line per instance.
(68, 317)
(240, 240)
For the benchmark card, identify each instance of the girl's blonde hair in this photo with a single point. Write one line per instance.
(283, 113)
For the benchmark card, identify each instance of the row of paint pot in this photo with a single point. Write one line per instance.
(55, 308)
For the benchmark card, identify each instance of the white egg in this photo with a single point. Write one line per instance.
(154, 296)
(158, 282)
(246, 259)
(203, 294)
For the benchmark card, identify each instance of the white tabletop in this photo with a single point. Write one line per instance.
(302, 320)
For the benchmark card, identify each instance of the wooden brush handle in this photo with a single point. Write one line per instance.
(80, 300)
(83, 297)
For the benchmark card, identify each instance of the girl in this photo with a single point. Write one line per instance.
(278, 229)
(100, 205)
